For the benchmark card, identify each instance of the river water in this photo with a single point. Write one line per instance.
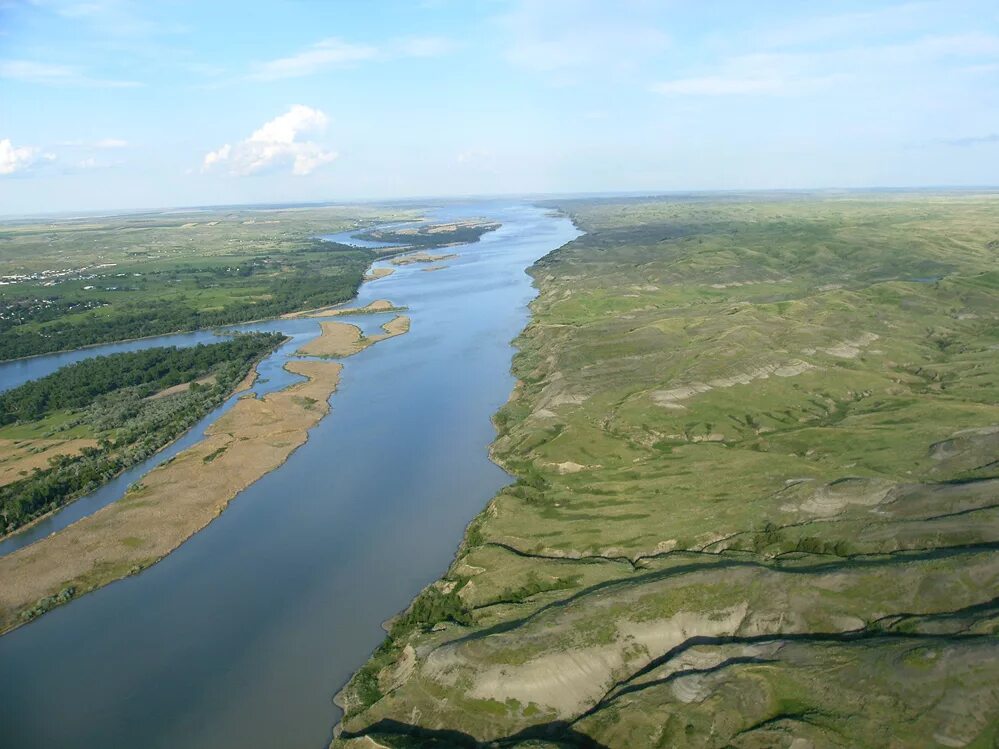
(241, 636)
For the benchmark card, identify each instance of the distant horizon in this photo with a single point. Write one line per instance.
(70, 214)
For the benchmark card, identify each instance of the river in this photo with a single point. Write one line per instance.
(241, 636)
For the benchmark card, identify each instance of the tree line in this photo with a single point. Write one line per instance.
(154, 369)
(130, 425)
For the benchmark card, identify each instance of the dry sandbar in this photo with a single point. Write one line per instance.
(420, 257)
(171, 503)
(375, 273)
(340, 339)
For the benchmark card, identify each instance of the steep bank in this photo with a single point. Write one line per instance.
(756, 452)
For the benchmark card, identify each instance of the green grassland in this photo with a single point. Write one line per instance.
(756, 450)
(75, 282)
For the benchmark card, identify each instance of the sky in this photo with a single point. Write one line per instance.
(123, 104)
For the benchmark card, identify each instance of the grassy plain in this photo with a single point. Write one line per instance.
(756, 444)
(75, 282)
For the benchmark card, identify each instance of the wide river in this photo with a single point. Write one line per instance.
(241, 636)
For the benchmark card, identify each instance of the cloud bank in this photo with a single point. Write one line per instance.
(19, 158)
(276, 145)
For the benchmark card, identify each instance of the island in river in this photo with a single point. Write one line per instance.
(177, 499)
(66, 434)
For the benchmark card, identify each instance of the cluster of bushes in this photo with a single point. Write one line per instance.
(772, 537)
(432, 607)
(49, 602)
(461, 235)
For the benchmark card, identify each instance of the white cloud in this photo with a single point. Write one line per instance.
(19, 158)
(325, 54)
(50, 74)
(337, 53)
(215, 157)
(796, 72)
(479, 158)
(276, 144)
(778, 74)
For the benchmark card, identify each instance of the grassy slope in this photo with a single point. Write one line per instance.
(758, 493)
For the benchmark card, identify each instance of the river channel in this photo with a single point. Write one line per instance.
(241, 636)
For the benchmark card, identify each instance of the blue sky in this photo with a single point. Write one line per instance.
(119, 104)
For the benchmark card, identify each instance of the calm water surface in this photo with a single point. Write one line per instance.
(241, 636)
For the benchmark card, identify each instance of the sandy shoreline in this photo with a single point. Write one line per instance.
(176, 499)
(375, 273)
(341, 339)
(245, 384)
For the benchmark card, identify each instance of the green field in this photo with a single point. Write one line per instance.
(756, 443)
(76, 282)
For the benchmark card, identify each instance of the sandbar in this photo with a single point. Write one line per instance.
(340, 339)
(379, 305)
(171, 503)
(375, 273)
(420, 257)
(181, 496)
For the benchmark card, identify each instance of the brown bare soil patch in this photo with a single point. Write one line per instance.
(182, 387)
(18, 458)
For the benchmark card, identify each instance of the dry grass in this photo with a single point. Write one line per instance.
(337, 339)
(174, 501)
(18, 458)
(182, 387)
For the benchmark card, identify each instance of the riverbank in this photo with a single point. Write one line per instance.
(171, 503)
(708, 543)
(244, 384)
